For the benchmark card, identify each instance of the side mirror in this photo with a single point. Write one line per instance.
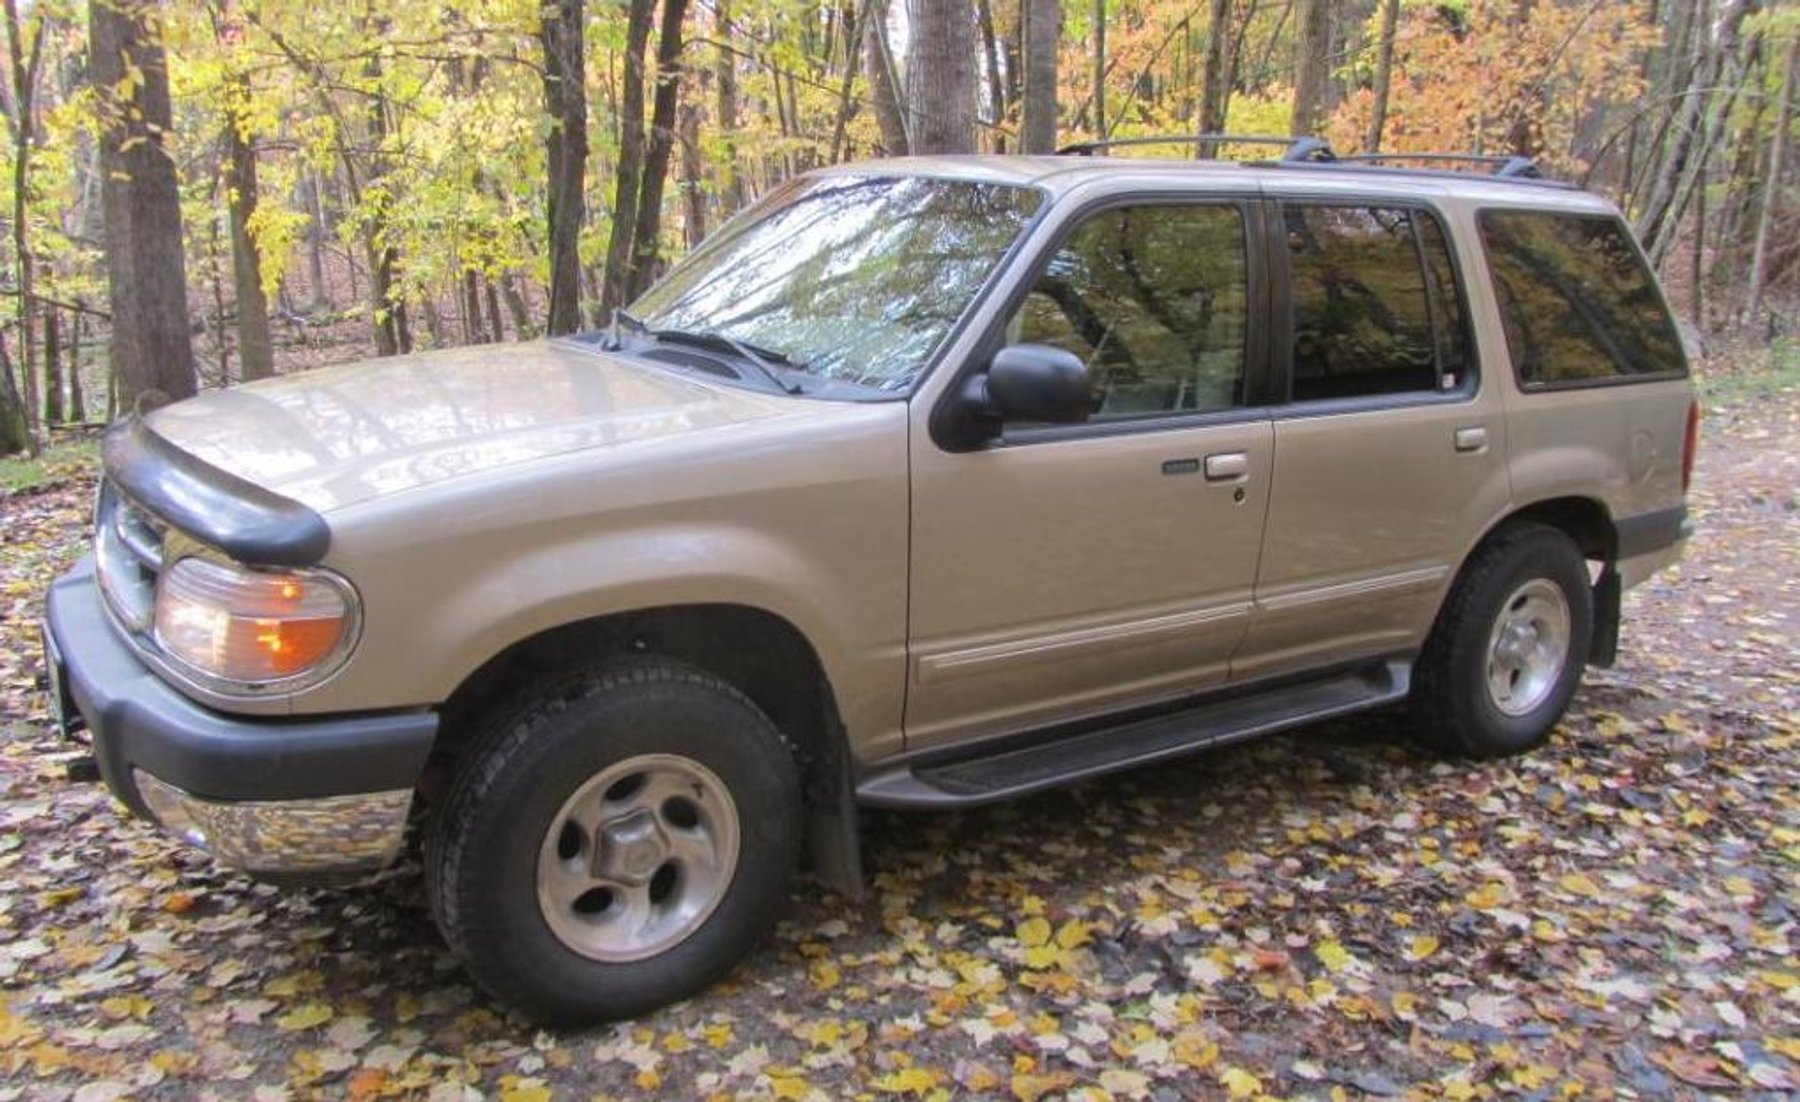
(1035, 382)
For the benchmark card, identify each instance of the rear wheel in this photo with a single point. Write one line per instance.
(1509, 647)
(617, 846)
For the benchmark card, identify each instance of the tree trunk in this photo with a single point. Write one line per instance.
(1384, 74)
(725, 72)
(53, 374)
(152, 354)
(615, 282)
(940, 77)
(1771, 192)
(24, 71)
(990, 52)
(693, 172)
(646, 247)
(846, 101)
(1312, 65)
(1042, 33)
(1215, 88)
(1099, 98)
(256, 354)
(77, 396)
(315, 241)
(884, 95)
(14, 436)
(1659, 213)
(565, 101)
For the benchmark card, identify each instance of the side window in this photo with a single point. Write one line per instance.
(1375, 304)
(1153, 300)
(1576, 300)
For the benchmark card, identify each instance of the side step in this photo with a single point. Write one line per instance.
(1015, 770)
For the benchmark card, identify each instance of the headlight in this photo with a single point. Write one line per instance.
(253, 628)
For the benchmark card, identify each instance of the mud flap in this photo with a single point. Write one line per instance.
(1608, 591)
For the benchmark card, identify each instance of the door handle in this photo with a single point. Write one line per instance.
(1471, 440)
(1227, 466)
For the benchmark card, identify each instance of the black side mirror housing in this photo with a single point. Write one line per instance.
(1036, 382)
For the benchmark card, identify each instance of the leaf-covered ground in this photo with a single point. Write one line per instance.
(1325, 914)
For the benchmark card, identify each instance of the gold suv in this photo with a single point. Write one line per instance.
(923, 483)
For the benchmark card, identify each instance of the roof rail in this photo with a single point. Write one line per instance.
(1504, 164)
(1298, 148)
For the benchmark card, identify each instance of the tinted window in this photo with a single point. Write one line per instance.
(853, 278)
(1375, 308)
(1576, 299)
(1153, 301)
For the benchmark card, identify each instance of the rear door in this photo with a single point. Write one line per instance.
(1389, 449)
(1062, 571)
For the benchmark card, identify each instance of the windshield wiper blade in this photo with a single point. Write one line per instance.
(635, 324)
(750, 355)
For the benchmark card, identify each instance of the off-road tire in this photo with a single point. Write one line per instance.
(1454, 710)
(482, 851)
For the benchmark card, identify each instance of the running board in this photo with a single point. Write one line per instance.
(1015, 770)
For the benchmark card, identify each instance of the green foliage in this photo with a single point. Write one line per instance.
(57, 464)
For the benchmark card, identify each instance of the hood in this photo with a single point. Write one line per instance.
(341, 435)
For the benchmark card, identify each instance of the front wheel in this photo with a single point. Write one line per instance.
(1508, 649)
(618, 845)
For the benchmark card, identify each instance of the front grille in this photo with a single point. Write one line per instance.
(128, 551)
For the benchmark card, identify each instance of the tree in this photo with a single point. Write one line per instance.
(884, 92)
(26, 61)
(1784, 114)
(152, 355)
(615, 286)
(1312, 65)
(940, 77)
(565, 101)
(1215, 93)
(1384, 74)
(256, 353)
(1042, 34)
(646, 234)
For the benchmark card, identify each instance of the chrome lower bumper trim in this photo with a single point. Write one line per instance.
(334, 834)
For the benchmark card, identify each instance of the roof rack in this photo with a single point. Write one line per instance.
(1304, 151)
(1504, 164)
(1295, 149)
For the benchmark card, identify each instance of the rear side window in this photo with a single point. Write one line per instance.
(1577, 301)
(1374, 300)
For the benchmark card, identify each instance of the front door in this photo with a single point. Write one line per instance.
(1064, 571)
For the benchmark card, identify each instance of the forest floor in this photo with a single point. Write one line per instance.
(1327, 913)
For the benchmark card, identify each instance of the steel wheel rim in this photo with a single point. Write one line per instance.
(1528, 647)
(638, 858)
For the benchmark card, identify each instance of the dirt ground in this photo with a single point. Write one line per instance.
(1323, 914)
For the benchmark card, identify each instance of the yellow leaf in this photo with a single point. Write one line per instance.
(1780, 981)
(717, 1035)
(1786, 1046)
(525, 1094)
(1421, 946)
(916, 1081)
(647, 1080)
(1195, 1051)
(1332, 955)
(1576, 884)
(789, 1088)
(1043, 956)
(1459, 1090)
(1030, 1088)
(1074, 934)
(304, 1017)
(824, 975)
(1240, 1083)
(1034, 932)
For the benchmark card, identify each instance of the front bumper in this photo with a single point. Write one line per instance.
(271, 795)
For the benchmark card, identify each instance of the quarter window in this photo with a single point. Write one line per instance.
(1375, 309)
(1576, 299)
(1153, 300)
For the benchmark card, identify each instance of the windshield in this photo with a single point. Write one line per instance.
(853, 279)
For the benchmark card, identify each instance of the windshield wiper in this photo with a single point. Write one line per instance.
(750, 354)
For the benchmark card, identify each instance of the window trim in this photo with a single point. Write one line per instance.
(1281, 353)
(1637, 248)
(1258, 284)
